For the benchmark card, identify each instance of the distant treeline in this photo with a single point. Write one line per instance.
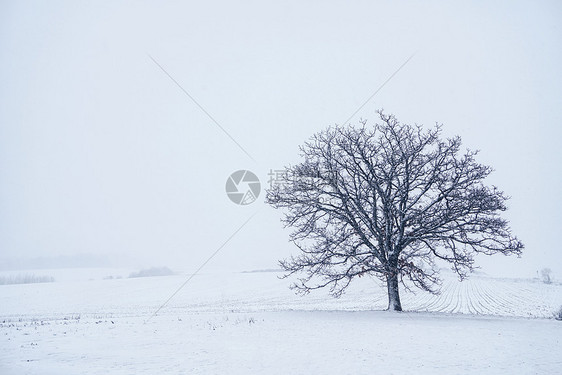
(25, 279)
(154, 271)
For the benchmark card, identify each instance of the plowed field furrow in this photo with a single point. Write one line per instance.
(489, 296)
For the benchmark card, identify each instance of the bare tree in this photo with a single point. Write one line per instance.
(388, 200)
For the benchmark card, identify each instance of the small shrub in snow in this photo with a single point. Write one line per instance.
(154, 271)
(558, 314)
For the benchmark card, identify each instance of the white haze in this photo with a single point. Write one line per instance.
(103, 158)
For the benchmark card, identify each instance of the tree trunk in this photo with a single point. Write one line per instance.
(393, 292)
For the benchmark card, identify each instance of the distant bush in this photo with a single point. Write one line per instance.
(154, 271)
(111, 277)
(558, 314)
(545, 275)
(25, 279)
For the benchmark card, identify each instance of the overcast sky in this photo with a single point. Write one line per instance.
(102, 153)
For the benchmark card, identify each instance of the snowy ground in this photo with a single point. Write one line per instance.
(242, 323)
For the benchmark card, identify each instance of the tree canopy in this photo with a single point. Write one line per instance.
(387, 200)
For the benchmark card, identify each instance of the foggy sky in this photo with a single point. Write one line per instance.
(101, 153)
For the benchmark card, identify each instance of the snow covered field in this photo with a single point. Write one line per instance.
(246, 323)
